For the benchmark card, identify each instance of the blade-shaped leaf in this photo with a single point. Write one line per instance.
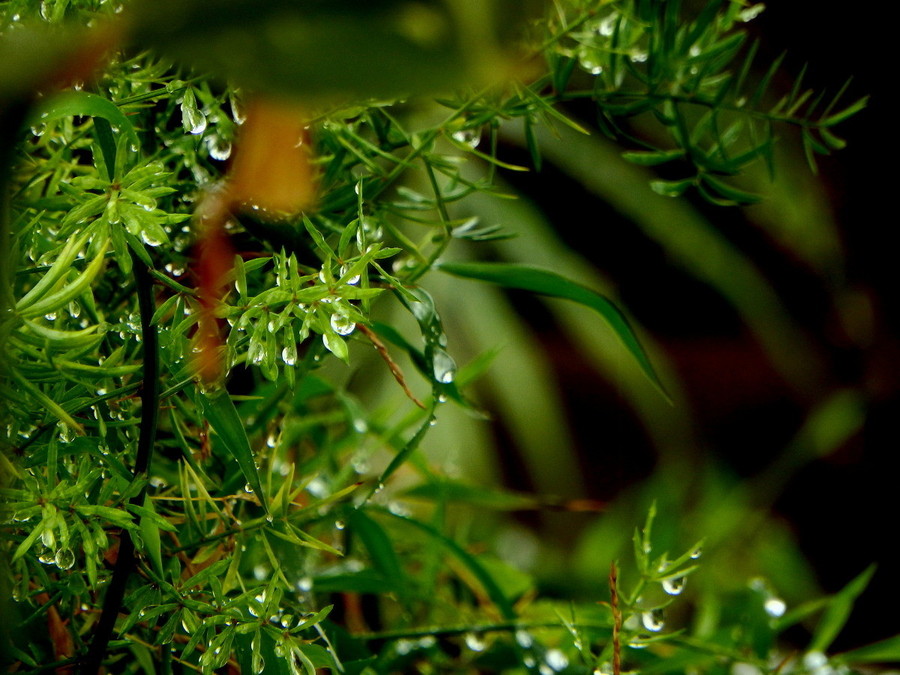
(545, 282)
(218, 409)
(838, 611)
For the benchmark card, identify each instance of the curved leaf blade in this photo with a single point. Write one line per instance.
(218, 409)
(551, 284)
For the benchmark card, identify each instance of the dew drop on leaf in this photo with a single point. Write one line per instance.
(653, 620)
(673, 586)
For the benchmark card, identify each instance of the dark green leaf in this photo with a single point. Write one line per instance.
(545, 282)
(218, 409)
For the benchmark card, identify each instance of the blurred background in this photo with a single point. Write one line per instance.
(775, 328)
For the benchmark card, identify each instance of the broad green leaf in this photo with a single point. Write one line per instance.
(545, 282)
(218, 409)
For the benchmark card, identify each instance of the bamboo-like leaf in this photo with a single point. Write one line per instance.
(838, 611)
(56, 299)
(218, 409)
(545, 282)
(883, 651)
(378, 544)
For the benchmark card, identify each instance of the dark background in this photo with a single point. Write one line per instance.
(843, 508)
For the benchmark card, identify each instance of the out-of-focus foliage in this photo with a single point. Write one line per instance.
(295, 513)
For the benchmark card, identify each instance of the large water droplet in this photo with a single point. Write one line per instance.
(150, 239)
(474, 642)
(444, 366)
(775, 607)
(219, 148)
(470, 137)
(342, 324)
(289, 353)
(556, 659)
(673, 586)
(193, 120)
(653, 620)
(524, 639)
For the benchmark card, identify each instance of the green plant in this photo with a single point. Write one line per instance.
(191, 479)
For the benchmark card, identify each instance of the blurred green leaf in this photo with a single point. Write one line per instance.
(883, 651)
(545, 282)
(838, 611)
(379, 48)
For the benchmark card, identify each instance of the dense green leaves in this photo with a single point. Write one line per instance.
(301, 483)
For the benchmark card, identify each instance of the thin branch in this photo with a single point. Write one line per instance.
(115, 592)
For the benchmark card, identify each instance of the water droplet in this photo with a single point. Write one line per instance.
(673, 586)
(51, 316)
(775, 607)
(339, 524)
(444, 366)
(238, 114)
(193, 120)
(697, 552)
(470, 137)
(289, 354)
(653, 620)
(607, 26)
(751, 12)
(814, 660)
(219, 148)
(46, 10)
(248, 488)
(524, 639)
(47, 558)
(305, 584)
(638, 56)
(474, 642)
(271, 439)
(556, 659)
(590, 62)
(150, 239)
(342, 324)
